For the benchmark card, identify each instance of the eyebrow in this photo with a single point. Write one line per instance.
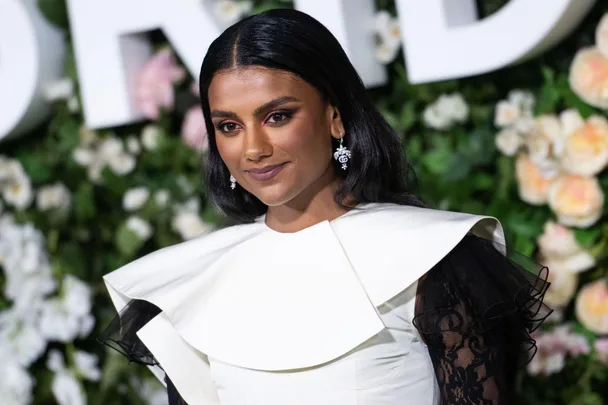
(261, 110)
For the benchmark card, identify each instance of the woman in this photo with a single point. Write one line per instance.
(339, 286)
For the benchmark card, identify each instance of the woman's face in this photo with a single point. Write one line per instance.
(273, 131)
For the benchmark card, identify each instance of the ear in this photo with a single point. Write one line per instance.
(335, 122)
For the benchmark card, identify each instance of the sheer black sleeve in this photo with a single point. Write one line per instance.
(121, 335)
(475, 310)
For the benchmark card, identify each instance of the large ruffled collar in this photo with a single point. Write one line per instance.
(303, 298)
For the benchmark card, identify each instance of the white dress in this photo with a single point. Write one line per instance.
(323, 316)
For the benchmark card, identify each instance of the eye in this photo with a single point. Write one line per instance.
(227, 127)
(279, 117)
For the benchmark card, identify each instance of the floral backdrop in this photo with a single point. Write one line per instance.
(528, 144)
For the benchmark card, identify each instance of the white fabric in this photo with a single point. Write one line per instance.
(252, 304)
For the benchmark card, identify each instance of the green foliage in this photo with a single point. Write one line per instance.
(459, 169)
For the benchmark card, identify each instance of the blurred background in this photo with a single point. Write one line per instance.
(526, 142)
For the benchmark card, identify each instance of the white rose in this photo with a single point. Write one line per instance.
(86, 365)
(76, 296)
(385, 52)
(387, 28)
(434, 118)
(84, 156)
(67, 390)
(16, 384)
(141, 227)
(87, 323)
(538, 147)
(56, 196)
(122, 163)
(161, 197)
(150, 137)
(135, 198)
(54, 361)
(28, 344)
(228, 11)
(61, 89)
(508, 142)
(110, 147)
(523, 100)
(87, 136)
(73, 104)
(189, 225)
(56, 323)
(453, 106)
(19, 193)
(506, 114)
(525, 124)
(133, 145)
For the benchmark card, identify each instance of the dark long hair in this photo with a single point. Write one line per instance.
(289, 40)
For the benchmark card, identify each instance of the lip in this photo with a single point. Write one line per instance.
(265, 173)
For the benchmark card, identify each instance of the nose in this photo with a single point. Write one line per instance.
(257, 146)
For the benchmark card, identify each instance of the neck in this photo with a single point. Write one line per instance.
(314, 205)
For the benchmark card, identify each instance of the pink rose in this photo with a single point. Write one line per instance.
(194, 131)
(154, 87)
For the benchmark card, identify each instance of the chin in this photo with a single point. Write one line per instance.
(275, 195)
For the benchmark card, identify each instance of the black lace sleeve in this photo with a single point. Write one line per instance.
(475, 310)
(121, 335)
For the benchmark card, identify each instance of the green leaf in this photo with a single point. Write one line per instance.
(127, 241)
(587, 237)
(56, 12)
(84, 205)
(437, 161)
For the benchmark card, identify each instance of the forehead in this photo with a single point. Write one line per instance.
(239, 86)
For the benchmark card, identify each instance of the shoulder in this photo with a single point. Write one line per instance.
(166, 264)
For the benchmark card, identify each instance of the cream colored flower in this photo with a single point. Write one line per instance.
(601, 35)
(135, 198)
(562, 288)
(557, 240)
(506, 114)
(385, 52)
(150, 137)
(87, 136)
(561, 251)
(586, 149)
(83, 156)
(592, 307)
(55, 196)
(533, 187)
(19, 193)
(523, 99)
(189, 225)
(140, 227)
(539, 147)
(589, 77)
(387, 28)
(122, 163)
(576, 200)
(508, 142)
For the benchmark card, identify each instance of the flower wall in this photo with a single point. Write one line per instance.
(528, 144)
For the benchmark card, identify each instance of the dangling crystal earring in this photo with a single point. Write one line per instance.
(342, 154)
(232, 182)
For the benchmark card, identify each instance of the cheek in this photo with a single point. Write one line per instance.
(310, 142)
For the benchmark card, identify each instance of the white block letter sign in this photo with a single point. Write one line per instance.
(443, 39)
(111, 50)
(350, 21)
(31, 57)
